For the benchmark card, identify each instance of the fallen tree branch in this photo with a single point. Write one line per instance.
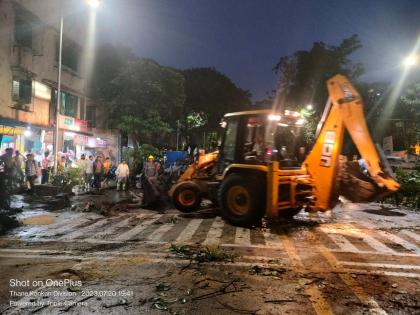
(280, 301)
(237, 310)
(220, 291)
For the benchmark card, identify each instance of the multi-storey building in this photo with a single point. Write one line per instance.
(29, 50)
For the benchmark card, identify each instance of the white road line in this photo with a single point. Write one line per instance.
(400, 241)
(413, 235)
(339, 239)
(243, 236)
(371, 241)
(68, 227)
(137, 229)
(189, 230)
(215, 232)
(380, 265)
(375, 253)
(384, 273)
(83, 231)
(271, 240)
(112, 229)
(158, 233)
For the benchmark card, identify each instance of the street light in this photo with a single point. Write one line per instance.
(411, 60)
(93, 4)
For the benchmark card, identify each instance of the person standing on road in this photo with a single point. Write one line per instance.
(82, 164)
(123, 172)
(98, 170)
(107, 169)
(9, 167)
(31, 172)
(89, 172)
(150, 168)
(45, 168)
(20, 167)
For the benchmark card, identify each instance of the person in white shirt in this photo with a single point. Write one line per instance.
(89, 172)
(122, 174)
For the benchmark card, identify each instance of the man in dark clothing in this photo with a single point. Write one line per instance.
(98, 169)
(9, 167)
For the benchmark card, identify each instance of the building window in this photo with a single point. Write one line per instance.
(82, 108)
(23, 30)
(22, 91)
(69, 55)
(68, 104)
(91, 116)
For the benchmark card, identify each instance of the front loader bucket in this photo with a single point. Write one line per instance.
(355, 185)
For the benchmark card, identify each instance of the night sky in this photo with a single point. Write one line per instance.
(245, 38)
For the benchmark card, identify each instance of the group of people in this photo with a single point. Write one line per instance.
(97, 173)
(19, 169)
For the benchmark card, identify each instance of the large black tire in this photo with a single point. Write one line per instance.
(187, 197)
(242, 200)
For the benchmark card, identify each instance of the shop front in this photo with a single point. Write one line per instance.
(25, 139)
(73, 137)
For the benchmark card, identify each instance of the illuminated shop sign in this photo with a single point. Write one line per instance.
(73, 124)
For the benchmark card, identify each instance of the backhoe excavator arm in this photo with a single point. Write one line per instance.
(344, 112)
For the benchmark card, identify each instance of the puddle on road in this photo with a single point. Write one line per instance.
(38, 220)
(385, 212)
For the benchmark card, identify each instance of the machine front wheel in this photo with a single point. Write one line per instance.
(241, 200)
(187, 197)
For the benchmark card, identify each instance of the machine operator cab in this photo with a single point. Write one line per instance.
(261, 136)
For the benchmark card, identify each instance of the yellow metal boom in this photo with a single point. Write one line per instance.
(344, 112)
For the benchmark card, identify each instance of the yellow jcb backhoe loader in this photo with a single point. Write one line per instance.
(256, 173)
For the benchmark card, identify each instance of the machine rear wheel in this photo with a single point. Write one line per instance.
(187, 197)
(241, 200)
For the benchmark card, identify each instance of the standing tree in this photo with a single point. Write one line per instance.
(145, 99)
(209, 95)
(302, 77)
(303, 74)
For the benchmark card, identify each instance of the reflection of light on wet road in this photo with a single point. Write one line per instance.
(18, 201)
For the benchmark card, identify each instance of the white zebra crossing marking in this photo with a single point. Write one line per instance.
(380, 265)
(371, 241)
(400, 241)
(65, 227)
(85, 230)
(188, 232)
(243, 236)
(384, 273)
(339, 239)
(215, 232)
(413, 235)
(158, 233)
(271, 240)
(137, 229)
(110, 230)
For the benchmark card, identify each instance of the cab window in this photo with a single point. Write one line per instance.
(230, 140)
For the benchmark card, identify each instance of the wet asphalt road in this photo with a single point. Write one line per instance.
(358, 259)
